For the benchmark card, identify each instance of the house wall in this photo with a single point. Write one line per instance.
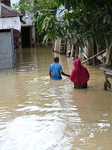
(7, 53)
(8, 23)
(0, 12)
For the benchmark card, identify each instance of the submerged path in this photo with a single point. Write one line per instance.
(37, 113)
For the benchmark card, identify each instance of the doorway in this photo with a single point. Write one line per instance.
(25, 35)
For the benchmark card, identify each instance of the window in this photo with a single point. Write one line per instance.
(6, 2)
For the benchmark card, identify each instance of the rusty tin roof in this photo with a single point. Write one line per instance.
(6, 11)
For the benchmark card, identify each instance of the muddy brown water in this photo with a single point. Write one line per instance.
(37, 113)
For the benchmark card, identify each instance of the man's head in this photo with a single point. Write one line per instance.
(56, 59)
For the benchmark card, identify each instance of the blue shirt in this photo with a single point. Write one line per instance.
(55, 69)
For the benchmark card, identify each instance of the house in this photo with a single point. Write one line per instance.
(27, 28)
(9, 18)
(9, 23)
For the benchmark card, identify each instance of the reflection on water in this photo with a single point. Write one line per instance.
(37, 113)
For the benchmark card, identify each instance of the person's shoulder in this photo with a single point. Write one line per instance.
(59, 64)
(84, 67)
(51, 64)
(55, 63)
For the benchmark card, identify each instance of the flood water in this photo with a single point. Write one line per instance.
(37, 113)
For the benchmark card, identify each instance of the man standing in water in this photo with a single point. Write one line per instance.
(55, 70)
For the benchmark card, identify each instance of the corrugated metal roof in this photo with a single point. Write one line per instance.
(6, 11)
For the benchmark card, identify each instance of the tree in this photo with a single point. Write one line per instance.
(94, 20)
(82, 20)
(33, 5)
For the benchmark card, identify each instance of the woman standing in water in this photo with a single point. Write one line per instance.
(79, 75)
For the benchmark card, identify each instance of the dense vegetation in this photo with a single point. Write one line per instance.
(80, 21)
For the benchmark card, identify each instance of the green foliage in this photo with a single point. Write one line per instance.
(89, 20)
(82, 21)
(24, 5)
(88, 4)
(48, 23)
(33, 5)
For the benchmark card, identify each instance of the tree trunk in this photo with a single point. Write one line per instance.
(72, 52)
(89, 53)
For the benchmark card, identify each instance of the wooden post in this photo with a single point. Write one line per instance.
(89, 53)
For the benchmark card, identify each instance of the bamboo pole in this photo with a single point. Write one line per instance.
(105, 69)
(87, 59)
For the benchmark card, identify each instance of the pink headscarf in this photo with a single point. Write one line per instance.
(79, 74)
